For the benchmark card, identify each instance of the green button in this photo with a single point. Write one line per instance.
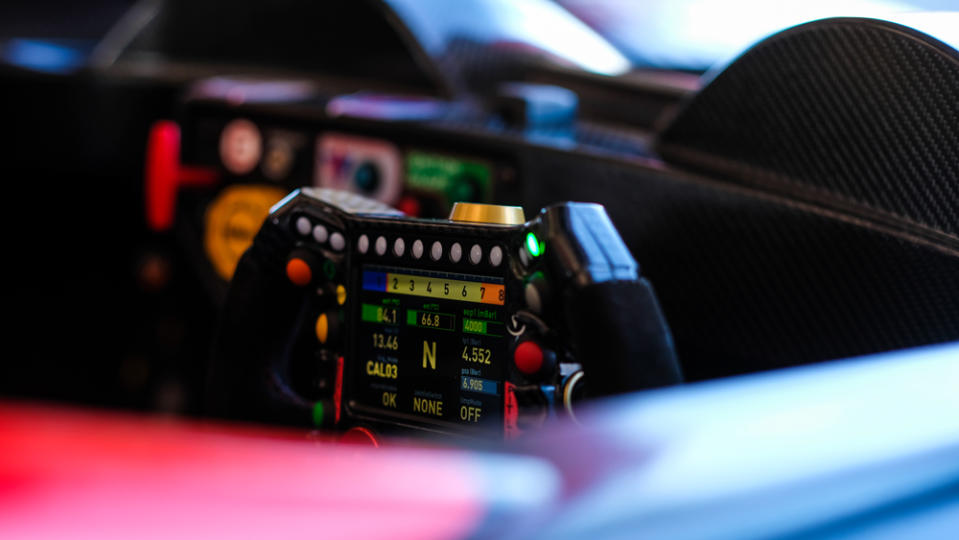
(329, 269)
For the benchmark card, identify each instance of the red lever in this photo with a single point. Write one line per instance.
(164, 174)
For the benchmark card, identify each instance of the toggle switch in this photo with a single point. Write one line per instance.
(164, 174)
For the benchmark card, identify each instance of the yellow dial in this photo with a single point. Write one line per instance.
(487, 213)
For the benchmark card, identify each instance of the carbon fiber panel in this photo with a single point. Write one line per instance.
(751, 282)
(852, 113)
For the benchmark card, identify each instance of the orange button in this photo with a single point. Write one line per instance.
(299, 272)
(322, 328)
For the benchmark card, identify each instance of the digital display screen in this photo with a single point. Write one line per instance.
(431, 346)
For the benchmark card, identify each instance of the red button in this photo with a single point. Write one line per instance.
(299, 272)
(528, 357)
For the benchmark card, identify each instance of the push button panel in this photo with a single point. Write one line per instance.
(441, 325)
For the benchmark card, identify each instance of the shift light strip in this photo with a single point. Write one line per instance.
(434, 287)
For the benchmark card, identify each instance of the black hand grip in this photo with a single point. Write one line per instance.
(247, 378)
(620, 336)
(617, 330)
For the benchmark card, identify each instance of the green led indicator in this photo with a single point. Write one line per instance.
(318, 414)
(533, 244)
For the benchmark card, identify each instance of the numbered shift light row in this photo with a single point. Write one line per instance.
(320, 233)
(437, 250)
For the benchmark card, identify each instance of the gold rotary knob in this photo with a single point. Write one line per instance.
(487, 213)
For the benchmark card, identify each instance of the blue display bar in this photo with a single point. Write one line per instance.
(374, 281)
(475, 384)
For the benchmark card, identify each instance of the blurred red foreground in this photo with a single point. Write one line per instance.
(65, 474)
